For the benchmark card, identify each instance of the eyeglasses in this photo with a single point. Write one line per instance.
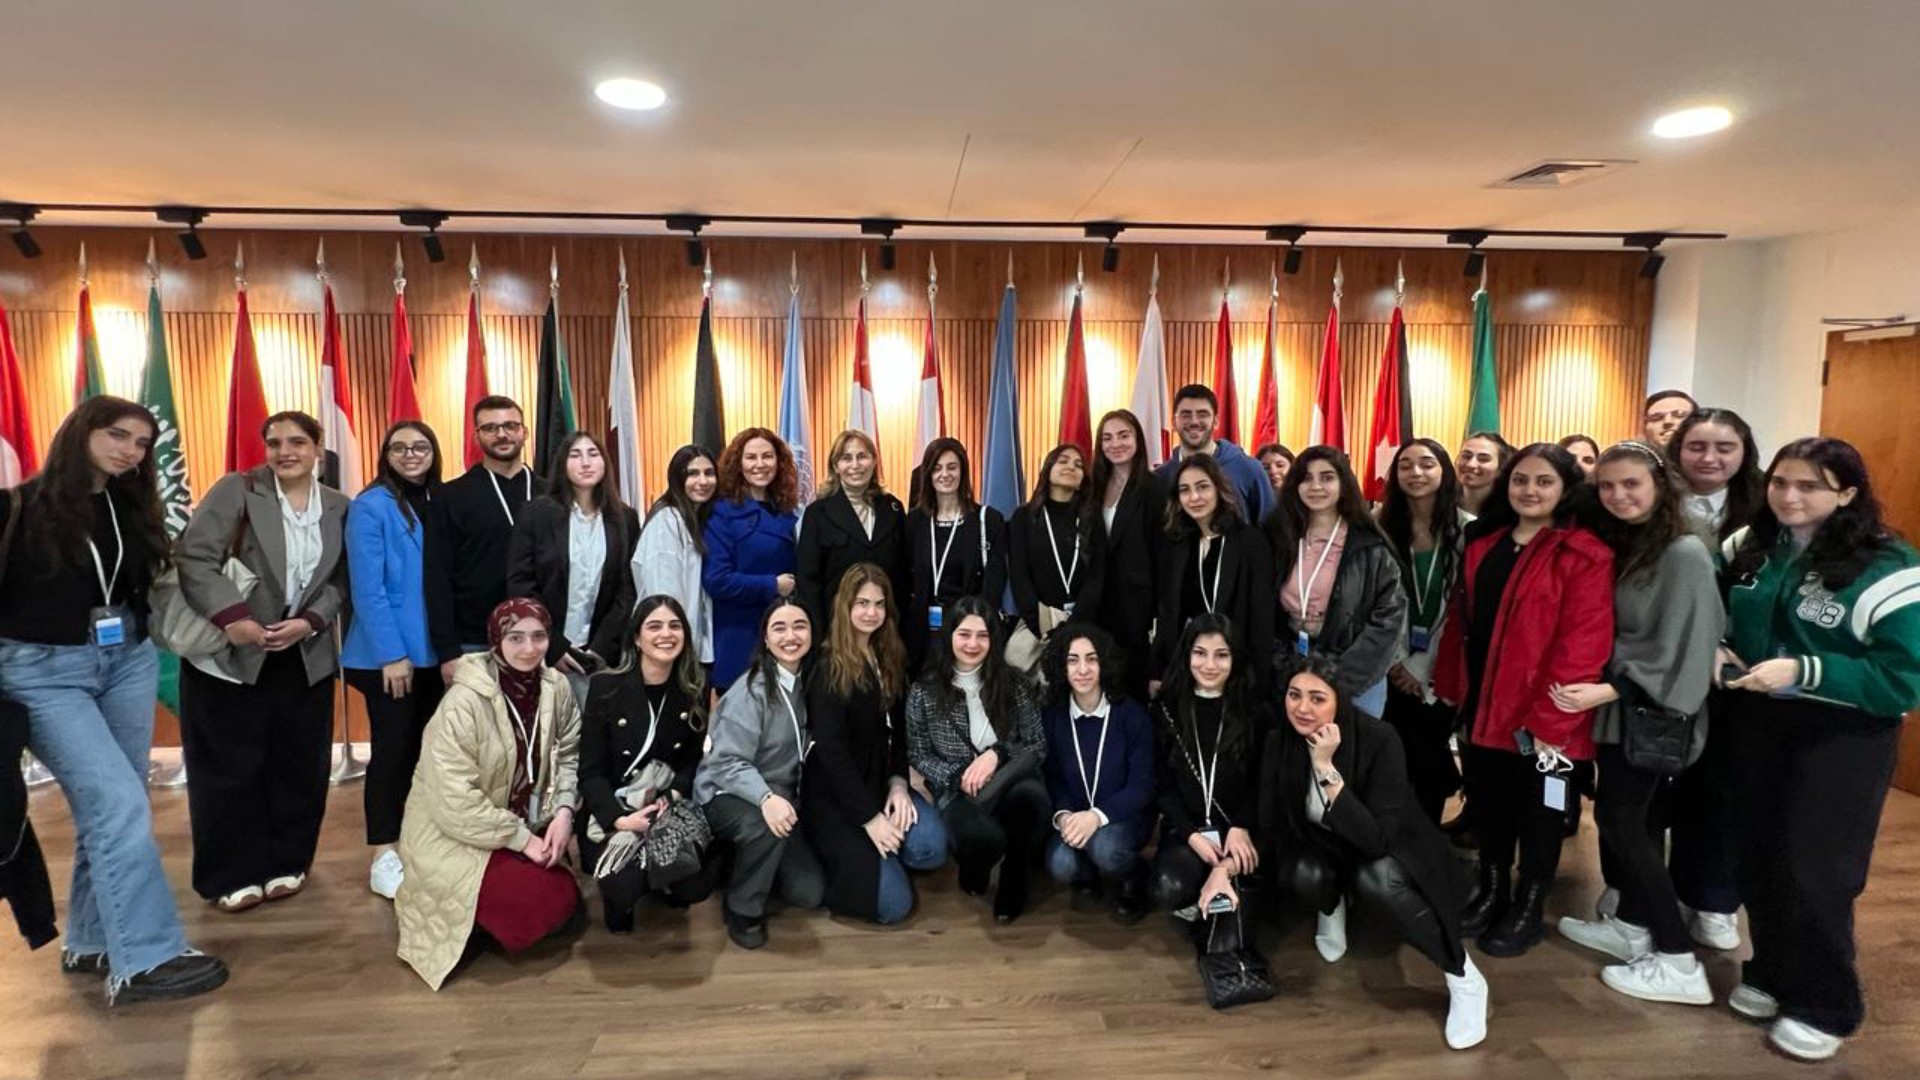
(507, 427)
(406, 450)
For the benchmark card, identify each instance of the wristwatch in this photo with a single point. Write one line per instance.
(1329, 778)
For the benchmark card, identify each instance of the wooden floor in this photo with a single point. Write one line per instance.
(316, 991)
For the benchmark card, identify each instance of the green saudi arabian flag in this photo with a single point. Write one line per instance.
(169, 460)
(1483, 400)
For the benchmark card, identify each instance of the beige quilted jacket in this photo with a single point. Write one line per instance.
(456, 813)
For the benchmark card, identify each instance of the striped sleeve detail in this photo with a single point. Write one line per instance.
(1811, 672)
(1731, 545)
(1884, 597)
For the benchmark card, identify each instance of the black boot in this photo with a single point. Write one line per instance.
(1010, 895)
(1129, 894)
(975, 875)
(1488, 901)
(745, 931)
(619, 919)
(1519, 929)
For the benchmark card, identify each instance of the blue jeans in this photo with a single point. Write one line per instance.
(1372, 700)
(90, 719)
(925, 848)
(1113, 851)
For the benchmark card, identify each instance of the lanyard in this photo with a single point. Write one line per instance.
(1425, 584)
(526, 736)
(501, 495)
(799, 744)
(1300, 564)
(940, 554)
(1213, 765)
(119, 556)
(1099, 754)
(1200, 565)
(1066, 574)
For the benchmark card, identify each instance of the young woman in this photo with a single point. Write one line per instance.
(86, 543)
(259, 790)
(1214, 563)
(1339, 582)
(1099, 771)
(1054, 560)
(1533, 610)
(1482, 456)
(652, 708)
(853, 520)
(1133, 514)
(1585, 451)
(1337, 810)
(1716, 455)
(1667, 623)
(751, 776)
(1424, 524)
(750, 546)
(1276, 459)
(861, 818)
(1824, 620)
(974, 735)
(492, 805)
(673, 544)
(958, 547)
(1211, 726)
(572, 550)
(388, 652)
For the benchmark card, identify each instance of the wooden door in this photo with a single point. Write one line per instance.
(1872, 393)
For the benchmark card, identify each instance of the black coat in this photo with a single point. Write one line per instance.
(832, 541)
(1129, 597)
(1375, 815)
(1235, 779)
(1366, 612)
(23, 871)
(964, 572)
(1034, 576)
(538, 563)
(859, 747)
(613, 731)
(1248, 598)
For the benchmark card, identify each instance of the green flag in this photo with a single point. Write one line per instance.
(1483, 397)
(169, 460)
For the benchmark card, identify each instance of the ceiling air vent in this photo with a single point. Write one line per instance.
(1560, 174)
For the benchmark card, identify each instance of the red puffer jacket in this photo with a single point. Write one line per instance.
(1555, 626)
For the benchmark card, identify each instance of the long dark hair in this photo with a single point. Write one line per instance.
(1847, 542)
(928, 502)
(1498, 513)
(1103, 469)
(1000, 688)
(1747, 488)
(1287, 525)
(1043, 488)
(884, 659)
(1053, 662)
(1237, 724)
(606, 497)
(693, 515)
(1637, 549)
(761, 663)
(1396, 515)
(59, 517)
(388, 477)
(1226, 511)
(1325, 669)
(689, 674)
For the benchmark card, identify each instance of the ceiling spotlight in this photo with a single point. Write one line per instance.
(191, 217)
(691, 224)
(1476, 259)
(636, 94)
(430, 220)
(883, 228)
(22, 239)
(1290, 235)
(1108, 231)
(1650, 267)
(1691, 123)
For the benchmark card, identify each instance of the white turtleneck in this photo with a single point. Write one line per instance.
(979, 728)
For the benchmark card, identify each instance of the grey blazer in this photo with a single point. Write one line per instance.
(203, 548)
(752, 748)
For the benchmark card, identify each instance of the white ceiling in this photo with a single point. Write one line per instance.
(1381, 112)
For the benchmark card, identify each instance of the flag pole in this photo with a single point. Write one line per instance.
(346, 767)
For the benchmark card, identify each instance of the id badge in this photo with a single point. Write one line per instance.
(1420, 638)
(1302, 644)
(934, 617)
(533, 811)
(108, 625)
(1554, 789)
(1212, 836)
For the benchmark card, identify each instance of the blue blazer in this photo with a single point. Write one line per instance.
(385, 564)
(748, 546)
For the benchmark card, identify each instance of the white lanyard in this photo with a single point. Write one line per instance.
(1099, 754)
(1300, 564)
(526, 736)
(1213, 765)
(498, 494)
(1425, 583)
(1200, 565)
(653, 728)
(799, 744)
(119, 555)
(1066, 573)
(940, 554)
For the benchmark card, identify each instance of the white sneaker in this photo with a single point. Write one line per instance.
(1609, 903)
(1330, 934)
(1753, 1003)
(1799, 1039)
(1714, 930)
(1618, 939)
(384, 879)
(1466, 1008)
(1679, 978)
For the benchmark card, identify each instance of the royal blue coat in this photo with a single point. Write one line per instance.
(748, 547)
(385, 569)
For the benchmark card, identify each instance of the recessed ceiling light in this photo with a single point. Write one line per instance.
(1688, 123)
(631, 94)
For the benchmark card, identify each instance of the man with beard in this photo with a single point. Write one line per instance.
(468, 531)
(1666, 411)
(1194, 410)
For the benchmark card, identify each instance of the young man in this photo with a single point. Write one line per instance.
(1194, 409)
(468, 531)
(1666, 411)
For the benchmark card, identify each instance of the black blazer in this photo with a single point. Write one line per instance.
(1247, 597)
(537, 566)
(965, 574)
(1129, 596)
(1035, 578)
(1375, 816)
(859, 746)
(613, 729)
(832, 541)
(1235, 781)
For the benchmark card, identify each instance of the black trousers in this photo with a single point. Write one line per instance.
(1629, 813)
(763, 862)
(1814, 778)
(1705, 857)
(1319, 883)
(1010, 830)
(396, 727)
(624, 889)
(1424, 733)
(257, 762)
(1506, 798)
(1178, 875)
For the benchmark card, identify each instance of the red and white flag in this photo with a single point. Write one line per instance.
(863, 410)
(336, 401)
(1076, 415)
(246, 397)
(1266, 404)
(931, 421)
(1392, 425)
(403, 394)
(1226, 425)
(476, 361)
(18, 458)
(1329, 426)
(1150, 379)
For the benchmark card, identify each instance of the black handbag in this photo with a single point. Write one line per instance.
(1654, 737)
(1234, 973)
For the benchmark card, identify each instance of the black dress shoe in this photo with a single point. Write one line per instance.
(184, 976)
(1010, 896)
(619, 920)
(1488, 902)
(748, 933)
(1130, 899)
(1520, 928)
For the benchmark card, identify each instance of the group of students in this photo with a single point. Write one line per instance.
(1228, 677)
